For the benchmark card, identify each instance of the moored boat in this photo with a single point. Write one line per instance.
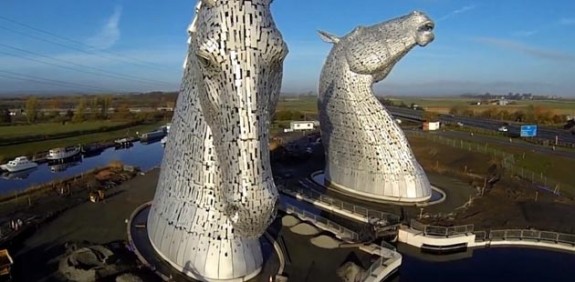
(18, 175)
(19, 164)
(62, 153)
(151, 136)
(124, 140)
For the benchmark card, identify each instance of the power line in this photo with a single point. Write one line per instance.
(29, 78)
(117, 56)
(82, 68)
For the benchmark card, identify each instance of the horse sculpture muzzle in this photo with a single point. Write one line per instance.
(241, 77)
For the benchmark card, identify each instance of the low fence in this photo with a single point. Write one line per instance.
(464, 145)
(525, 234)
(536, 178)
(441, 230)
(351, 208)
(324, 223)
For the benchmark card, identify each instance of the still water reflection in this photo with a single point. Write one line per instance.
(487, 264)
(142, 155)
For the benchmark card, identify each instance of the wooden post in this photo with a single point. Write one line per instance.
(536, 195)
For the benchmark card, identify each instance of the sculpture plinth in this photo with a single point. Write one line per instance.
(367, 153)
(216, 196)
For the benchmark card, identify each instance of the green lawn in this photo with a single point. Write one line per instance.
(556, 169)
(11, 151)
(18, 131)
(302, 104)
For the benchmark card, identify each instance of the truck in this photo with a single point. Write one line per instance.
(431, 125)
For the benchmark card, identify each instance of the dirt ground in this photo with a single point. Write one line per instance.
(101, 222)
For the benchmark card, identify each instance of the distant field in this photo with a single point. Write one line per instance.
(8, 132)
(443, 105)
(303, 104)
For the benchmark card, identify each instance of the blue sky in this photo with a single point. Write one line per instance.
(139, 45)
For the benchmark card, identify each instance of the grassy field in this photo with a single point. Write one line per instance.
(11, 151)
(442, 105)
(306, 104)
(53, 128)
(555, 168)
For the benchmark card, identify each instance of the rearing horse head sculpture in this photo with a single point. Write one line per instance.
(238, 59)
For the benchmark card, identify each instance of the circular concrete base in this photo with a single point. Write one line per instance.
(146, 253)
(437, 196)
(325, 242)
(305, 229)
(290, 220)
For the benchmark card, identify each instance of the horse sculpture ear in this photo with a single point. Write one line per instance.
(327, 37)
(209, 3)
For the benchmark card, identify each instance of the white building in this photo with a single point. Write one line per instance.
(302, 125)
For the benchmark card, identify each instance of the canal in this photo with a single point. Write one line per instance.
(486, 264)
(144, 156)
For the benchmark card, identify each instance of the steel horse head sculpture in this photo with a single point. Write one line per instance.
(367, 154)
(216, 195)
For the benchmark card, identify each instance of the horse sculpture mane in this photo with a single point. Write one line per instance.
(216, 195)
(367, 154)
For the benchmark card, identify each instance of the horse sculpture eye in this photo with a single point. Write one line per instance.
(206, 62)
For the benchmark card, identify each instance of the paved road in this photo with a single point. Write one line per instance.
(514, 128)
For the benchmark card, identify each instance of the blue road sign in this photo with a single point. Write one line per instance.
(528, 131)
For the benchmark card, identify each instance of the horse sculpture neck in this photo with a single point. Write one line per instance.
(367, 153)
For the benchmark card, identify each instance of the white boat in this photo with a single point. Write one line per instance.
(164, 140)
(18, 175)
(125, 140)
(62, 153)
(19, 164)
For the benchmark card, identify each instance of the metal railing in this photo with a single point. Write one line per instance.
(312, 195)
(527, 234)
(371, 270)
(323, 223)
(441, 230)
(381, 261)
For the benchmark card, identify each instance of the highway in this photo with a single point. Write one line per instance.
(514, 128)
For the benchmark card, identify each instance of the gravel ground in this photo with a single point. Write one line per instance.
(93, 222)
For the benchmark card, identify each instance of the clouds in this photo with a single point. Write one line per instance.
(536, 52)
(552, 25)
(109, 34)
(458, 11)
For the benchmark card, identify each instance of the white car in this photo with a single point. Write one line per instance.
(502, 129)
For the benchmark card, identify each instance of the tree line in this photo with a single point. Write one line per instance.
(536, 114)
(55, 109)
